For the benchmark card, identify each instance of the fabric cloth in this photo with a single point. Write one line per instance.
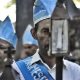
(7, 32)
(71, 71)
(36, 71)
(43, 9)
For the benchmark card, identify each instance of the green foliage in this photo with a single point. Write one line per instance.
(10, 3)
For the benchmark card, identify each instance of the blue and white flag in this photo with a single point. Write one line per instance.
(43, 9)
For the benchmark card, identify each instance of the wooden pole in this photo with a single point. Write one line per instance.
(24, 16)
(59, 68)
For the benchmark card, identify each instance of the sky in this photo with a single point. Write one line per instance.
(4, 12)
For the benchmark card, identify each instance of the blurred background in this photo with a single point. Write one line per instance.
(8, 8)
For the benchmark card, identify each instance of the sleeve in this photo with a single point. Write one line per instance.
(74, 69)
(77, 72)
(9, 74)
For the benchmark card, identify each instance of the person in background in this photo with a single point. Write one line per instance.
(74, 40)
(30, 44)
(8, 39)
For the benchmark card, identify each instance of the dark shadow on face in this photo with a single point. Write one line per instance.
(3, 46)
(3, 57)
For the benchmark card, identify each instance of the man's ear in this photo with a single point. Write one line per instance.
(33, 32)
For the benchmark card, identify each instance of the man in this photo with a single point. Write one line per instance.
(30, 45)
(8, 36)
(41, 66)
(8, 40)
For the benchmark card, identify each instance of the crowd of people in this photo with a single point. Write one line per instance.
(34, 63)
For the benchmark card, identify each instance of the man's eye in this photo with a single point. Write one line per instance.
(45, 30)
(27, 47)
(2, 47)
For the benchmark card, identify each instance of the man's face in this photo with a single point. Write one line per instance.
(3, 46)
(43, 35)
(3, 56)
(28, 50)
